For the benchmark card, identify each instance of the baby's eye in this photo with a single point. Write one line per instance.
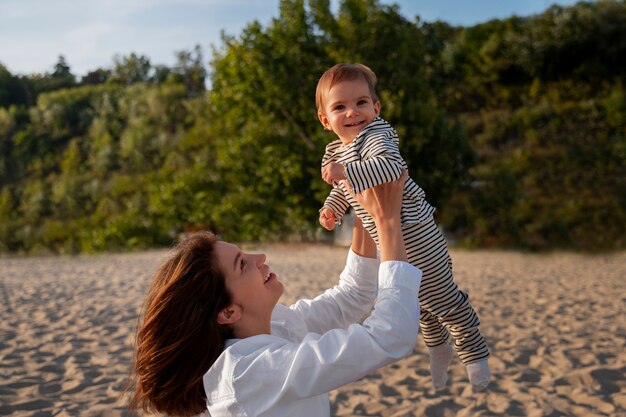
(362, 102)
(339, 107)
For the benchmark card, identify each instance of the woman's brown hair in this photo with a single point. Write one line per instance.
(178, 337)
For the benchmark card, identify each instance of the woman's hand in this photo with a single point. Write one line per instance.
(384, 200)
(384, 203)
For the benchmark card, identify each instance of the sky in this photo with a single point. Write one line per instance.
(89, 33)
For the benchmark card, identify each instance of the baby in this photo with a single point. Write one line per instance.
(367, 154)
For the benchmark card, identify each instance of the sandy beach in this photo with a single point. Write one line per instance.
(555, 323)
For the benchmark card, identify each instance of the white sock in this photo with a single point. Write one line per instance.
(478, 374)
(440, 358)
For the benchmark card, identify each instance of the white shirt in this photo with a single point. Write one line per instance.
(315, 346)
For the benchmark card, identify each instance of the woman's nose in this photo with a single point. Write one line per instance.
(260, 258)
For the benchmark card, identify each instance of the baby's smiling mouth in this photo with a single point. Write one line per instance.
(354, 124)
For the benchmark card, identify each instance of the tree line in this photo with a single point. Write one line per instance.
(516, 129)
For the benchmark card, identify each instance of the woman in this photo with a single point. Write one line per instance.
(213, 337)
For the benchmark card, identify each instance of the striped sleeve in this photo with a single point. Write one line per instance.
(337, 202)
(381, 163)
(330, 154)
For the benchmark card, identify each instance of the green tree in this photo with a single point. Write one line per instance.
(60, 78)
(11, 89)
(131, 69)
(515, 128)
(97, 76)
(190, 70)
(7, 221)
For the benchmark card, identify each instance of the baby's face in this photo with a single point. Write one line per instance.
(348, 108)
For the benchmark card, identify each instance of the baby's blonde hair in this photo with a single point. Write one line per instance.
(344, 72)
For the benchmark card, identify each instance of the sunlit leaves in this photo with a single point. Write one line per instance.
(515, 128)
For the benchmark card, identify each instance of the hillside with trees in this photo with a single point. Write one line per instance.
(516, 129)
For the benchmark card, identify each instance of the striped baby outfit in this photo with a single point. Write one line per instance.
(374, 158)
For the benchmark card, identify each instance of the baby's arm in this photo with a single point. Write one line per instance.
(335, 204)
(381, 163)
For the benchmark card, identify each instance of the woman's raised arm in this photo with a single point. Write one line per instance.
(383, 203)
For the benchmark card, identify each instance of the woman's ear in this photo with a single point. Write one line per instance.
(229, 315)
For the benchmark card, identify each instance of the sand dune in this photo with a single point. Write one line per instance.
(556, 325)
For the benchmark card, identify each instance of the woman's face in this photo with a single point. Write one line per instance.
(254, 288)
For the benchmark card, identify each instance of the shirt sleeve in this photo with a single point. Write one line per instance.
(381, 163)
(321, 363)
(330, 152)
(345, 303)
(337, 202)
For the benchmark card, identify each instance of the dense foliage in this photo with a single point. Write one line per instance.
(516, 129)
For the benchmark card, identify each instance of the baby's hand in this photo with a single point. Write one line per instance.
(327, 219)
(333, 172)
